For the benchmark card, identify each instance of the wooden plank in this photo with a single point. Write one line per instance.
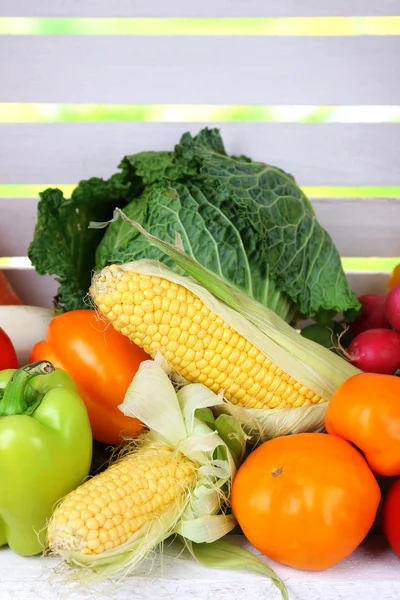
(371, 572)
(201, 70)
(18, 218)
(359, 227)
(366, 282)
(316, 154)
(206, 8)
(33, 289)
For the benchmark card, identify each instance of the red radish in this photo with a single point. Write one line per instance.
(376, 351)
(373, 314)
(393, 307)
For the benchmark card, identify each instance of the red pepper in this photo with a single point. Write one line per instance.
(8, 357)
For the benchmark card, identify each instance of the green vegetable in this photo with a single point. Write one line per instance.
(63, 244)
(45, 450)
(244, 220)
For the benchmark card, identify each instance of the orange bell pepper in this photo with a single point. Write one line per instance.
(365, 410)
(102, 363)
(394, 278)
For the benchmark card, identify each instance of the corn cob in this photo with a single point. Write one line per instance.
(176, 479)
(159, 315)
(108, 509)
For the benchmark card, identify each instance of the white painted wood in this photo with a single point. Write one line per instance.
(317, 154)
(17, 223)
(206, 8)
(371, 572)
(366, 282)
(35, 290)
(359, 227)
(201, 70)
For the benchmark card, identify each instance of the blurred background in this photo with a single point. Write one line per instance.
(11, 112)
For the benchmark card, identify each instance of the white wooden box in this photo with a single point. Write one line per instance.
(355, 69)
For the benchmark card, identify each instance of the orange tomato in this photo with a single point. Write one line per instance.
(305, 500)
(390, 517)
(102, 363)
(365, 410)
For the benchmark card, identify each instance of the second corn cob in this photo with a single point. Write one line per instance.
(175, 479)
(108, 509)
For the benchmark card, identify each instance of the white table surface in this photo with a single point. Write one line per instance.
(371, 573)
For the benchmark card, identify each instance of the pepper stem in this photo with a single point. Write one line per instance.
(16, 400)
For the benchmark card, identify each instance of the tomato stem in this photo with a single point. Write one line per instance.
(277, 472)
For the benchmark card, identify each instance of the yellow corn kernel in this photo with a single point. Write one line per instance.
(220, 357)
(131, 500)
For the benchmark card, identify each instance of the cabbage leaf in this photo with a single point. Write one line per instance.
(246, 221)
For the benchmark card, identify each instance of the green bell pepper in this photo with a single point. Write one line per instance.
(45, 451)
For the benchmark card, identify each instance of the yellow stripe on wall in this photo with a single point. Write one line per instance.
(370, 264)
(26, 112)
(29, 190)
(287, 26)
